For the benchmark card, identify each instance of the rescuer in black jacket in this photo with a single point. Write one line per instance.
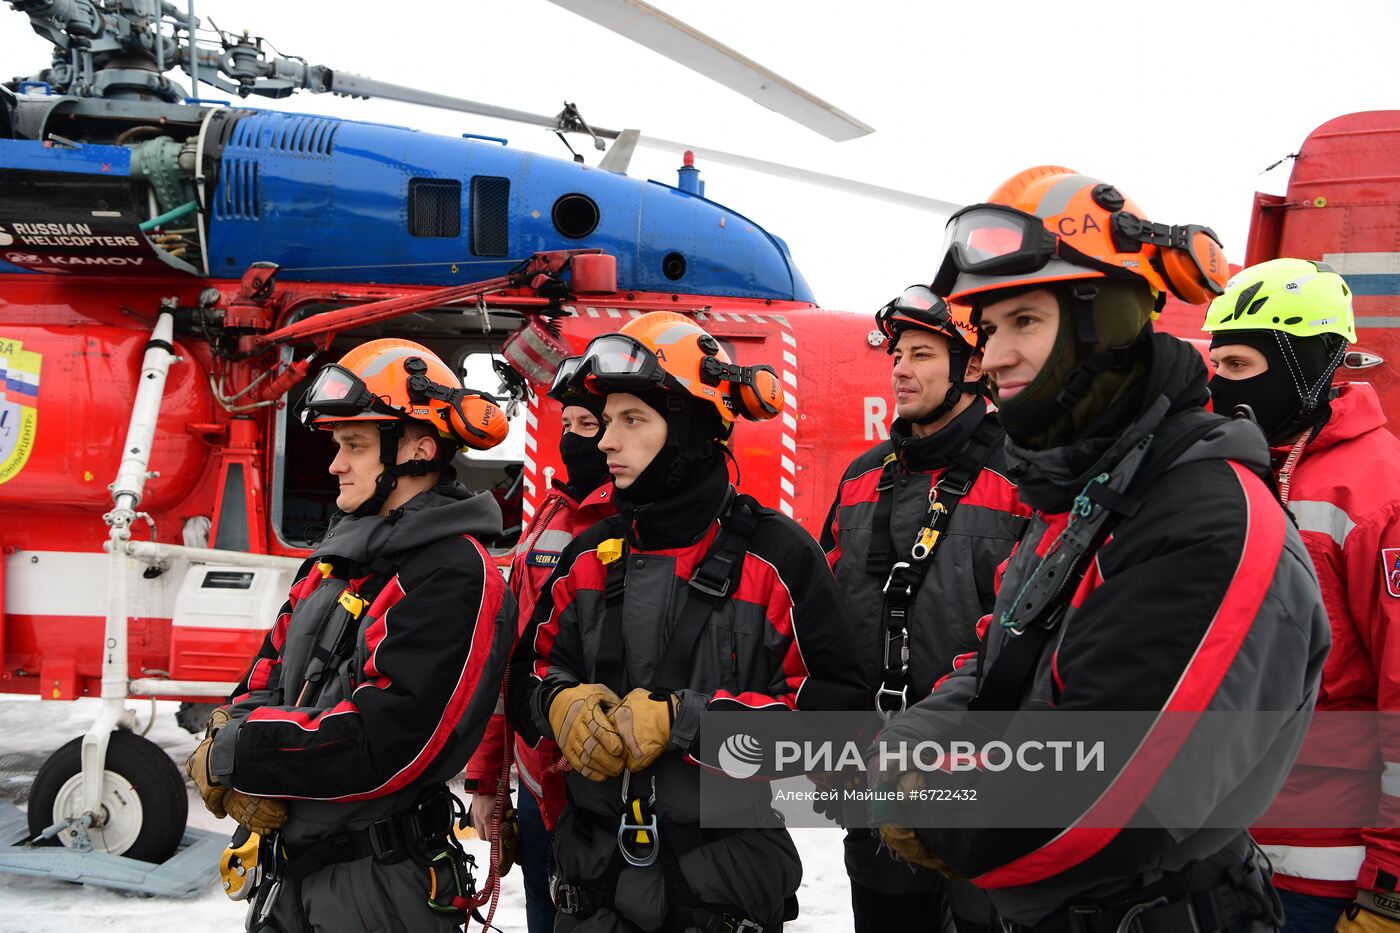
(693, 599)
(1159, 575)
(380, 673)
(946, 450)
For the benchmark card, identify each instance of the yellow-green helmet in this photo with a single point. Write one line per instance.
(1296, 296)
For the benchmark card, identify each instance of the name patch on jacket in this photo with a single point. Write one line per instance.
(1390, 566)
(547, 548)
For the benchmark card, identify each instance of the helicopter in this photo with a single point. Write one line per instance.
(174, 271)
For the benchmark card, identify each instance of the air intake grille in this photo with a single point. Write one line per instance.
(490, 216)
(239, 199)
(434, 207)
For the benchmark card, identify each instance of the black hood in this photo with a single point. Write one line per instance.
(448, 510)
(1173, 383)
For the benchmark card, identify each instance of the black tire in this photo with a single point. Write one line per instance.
(193, 717)
(156, 780)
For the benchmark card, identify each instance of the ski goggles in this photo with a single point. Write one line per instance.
(917, 305)
(562, 384)
(993, 239)
(621, 362)
(339, 393)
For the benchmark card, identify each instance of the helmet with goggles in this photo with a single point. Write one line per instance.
(918, 307)
(1050, 224)
(397, 382)
(669, 352)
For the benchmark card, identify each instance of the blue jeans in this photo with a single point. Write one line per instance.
(535, 841)
(1307, 913)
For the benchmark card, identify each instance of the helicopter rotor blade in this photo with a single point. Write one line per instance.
(353, 85)
(668, 36)
(821, 179)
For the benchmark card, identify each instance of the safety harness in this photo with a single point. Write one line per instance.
(903, 578)
(640, 828)
(1032, 618)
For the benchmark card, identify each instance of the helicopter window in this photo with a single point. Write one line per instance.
(434, 207)
(490, 216)
(575, 215)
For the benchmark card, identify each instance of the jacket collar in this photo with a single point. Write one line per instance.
(923, 454)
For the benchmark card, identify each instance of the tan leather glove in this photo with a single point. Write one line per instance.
(587, 737)
(510, 839)
(644, 724)
(260, 814)
(197, 766)
(907, 846)
(1357, 919)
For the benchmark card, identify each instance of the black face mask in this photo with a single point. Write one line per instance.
(1289, 397)
(1270, 395)
(586, 464)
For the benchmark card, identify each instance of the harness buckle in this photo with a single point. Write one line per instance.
(1078, 918)
(890, 582)
(566, 896)
(961, 489)
(719, 592)
(901, 695)
(385, 839)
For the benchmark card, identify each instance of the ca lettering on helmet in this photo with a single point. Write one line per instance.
(1067, 227)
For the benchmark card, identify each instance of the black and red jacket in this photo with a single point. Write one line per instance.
(959, 586)
(1204, 600)
(408, 705)
(780, 641)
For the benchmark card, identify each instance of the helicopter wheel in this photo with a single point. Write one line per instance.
(144, 803)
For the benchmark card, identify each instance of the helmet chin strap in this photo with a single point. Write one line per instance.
(391, 434)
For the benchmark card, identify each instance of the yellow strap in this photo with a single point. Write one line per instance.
(353, 602)
(610, 551)
(643, 837)
(324, 567)
(890, 458)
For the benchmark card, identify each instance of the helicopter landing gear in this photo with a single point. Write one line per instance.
(143, 805)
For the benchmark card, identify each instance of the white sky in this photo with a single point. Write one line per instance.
(1180, 104)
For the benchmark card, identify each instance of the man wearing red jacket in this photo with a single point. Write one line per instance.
(1277, 336)
(569, 508)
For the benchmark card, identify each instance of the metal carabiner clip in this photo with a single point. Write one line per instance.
(645, 833)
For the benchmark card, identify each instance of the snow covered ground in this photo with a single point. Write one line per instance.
(30, 730)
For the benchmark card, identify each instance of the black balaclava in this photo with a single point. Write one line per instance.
(1097, 360)
(1292, 395)
(693, 430)
(586, 465)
